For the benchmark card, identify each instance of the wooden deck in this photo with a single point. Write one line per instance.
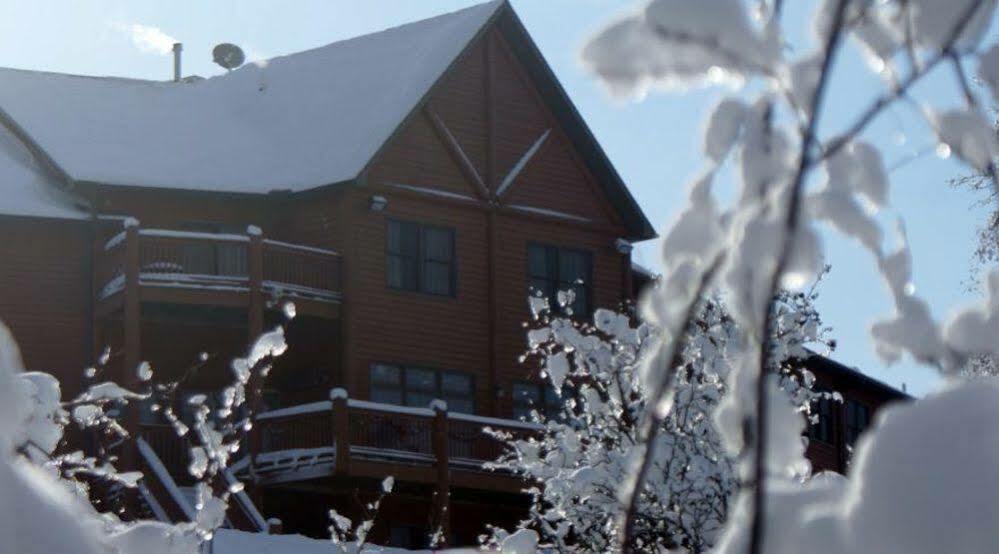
(420, 445)
(218, 269)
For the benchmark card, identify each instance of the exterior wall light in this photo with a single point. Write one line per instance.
(378, 203)
(622, 246)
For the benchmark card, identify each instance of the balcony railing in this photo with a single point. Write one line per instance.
(357, 429)
(304, 436)
(219, 262)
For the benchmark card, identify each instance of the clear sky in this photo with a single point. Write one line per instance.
(653, 143)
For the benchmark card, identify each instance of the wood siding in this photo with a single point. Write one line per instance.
(495, 115)
(45, 295)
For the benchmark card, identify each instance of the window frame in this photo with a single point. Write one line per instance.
(852, 430)
(556, 280)
(438, 388)
(823, 406)
(421, 258)
(543, 407)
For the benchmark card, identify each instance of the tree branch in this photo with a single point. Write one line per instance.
(900, 90)
(791, 223)
(653, 415)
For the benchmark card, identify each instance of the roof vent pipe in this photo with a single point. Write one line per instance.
(177, 47)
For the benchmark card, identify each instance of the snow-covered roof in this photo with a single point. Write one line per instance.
(25, 188)
(291, 123)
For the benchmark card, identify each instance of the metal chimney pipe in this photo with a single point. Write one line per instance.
(177, 47)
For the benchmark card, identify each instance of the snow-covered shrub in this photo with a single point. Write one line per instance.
(770, 134)
(587, 449)
(45, 506)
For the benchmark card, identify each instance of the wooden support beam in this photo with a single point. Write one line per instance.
(132, 332)
(442, 465)
(255, 327)
(255, 269)
(341, 432)
(457, 153)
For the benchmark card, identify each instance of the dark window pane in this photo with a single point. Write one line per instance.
(419, 399)
(420, 379)
(402, 272)
(537, 262)
(456, 383)
(384, 374)
(420, 258)
(822, 429)
(403, 238)
(460, 404)
(526, 393)
(572, 267)
(540, 287)
(526, 397)
(581, 300)
(857, 418)
(437, 278)
(386, 384)
(386, 395)
(437, 244)
(553, 270)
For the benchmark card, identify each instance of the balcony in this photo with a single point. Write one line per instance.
(161, 265)
(357, 438)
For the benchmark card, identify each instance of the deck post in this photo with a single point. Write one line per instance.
(341, 431)
(442, 454)
(255, 270)
(132, 334)
(255, 328)
(131, 304)
(131, 315)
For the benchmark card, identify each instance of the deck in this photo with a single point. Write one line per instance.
(218, 269)
(350, 437)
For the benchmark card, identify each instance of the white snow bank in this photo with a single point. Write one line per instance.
(922, 481)
(230, 541)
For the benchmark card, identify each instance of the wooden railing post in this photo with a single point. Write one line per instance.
(255, 327)
(132, 306)
(442, 455)
(132, 326)
(255, 270)
(341, 431)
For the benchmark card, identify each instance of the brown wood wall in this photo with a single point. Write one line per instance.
(495, 114)
(45, 293)
(490, 107)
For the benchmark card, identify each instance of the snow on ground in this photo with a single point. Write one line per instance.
(229, 541)
(922, 481)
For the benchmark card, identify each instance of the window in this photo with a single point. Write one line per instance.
(822, 429)
(418, 386)
(420, 258)
(529, 396)
(857, 418)
(211, 257)
(552, 270)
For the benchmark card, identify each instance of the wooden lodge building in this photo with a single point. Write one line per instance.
(404, 189)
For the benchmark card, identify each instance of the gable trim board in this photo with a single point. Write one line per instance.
(222, 134)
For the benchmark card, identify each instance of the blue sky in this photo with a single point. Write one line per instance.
(653, 143)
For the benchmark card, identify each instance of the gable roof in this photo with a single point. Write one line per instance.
(292, 123)
(321, 114)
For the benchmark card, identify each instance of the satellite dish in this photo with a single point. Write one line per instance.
(228, 55)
